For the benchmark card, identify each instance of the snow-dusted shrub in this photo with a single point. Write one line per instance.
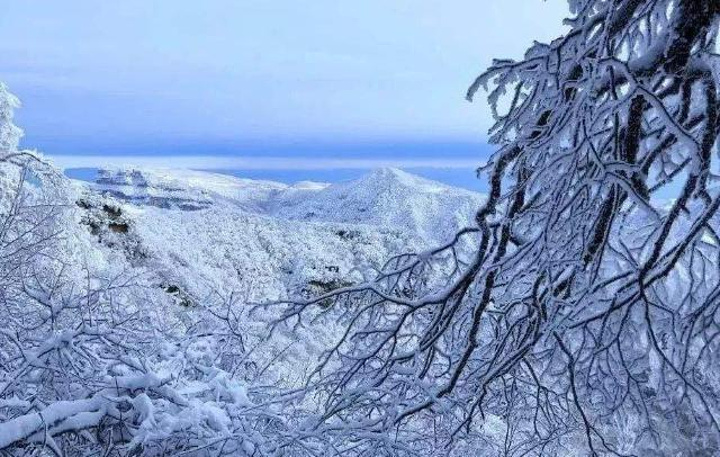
(95, 359)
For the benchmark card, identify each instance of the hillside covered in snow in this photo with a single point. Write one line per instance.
(207, 233)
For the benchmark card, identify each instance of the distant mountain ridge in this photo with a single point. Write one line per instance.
(384, 197)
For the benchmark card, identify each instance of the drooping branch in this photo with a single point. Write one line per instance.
(595, 252)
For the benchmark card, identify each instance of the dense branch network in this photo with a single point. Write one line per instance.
(93, 360)
(585, 303)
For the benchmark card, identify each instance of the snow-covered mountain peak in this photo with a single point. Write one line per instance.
(385, 197)
(390, 177)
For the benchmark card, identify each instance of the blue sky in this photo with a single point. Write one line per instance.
(321, 78)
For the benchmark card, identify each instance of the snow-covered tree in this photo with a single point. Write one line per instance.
(580, 315)
(587, 315)
(9, 133)
(95, 359)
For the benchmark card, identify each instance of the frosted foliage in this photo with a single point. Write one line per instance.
(576, 312)
(588, 315)
(97, 357)
(126, 305)
(9, 133)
